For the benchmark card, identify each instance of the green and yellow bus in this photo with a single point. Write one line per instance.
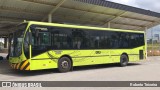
(41, 45)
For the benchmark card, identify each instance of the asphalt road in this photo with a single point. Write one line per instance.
(146, 70)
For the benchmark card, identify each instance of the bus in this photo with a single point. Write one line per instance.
(41, 45)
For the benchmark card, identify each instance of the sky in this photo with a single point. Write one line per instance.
(152, 5)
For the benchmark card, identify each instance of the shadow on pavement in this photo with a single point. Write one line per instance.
(5, 69)
(101, 66)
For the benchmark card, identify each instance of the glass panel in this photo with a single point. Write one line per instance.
(41, 40)
(26, 45)
(52, 38)
(16, 41)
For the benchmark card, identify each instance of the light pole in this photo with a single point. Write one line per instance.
(152, 41)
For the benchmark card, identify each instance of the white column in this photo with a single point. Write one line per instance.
(109, 25)
(152, 40)
(50, 18)
(146, 42)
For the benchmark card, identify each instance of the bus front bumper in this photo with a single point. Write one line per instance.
(24, 65)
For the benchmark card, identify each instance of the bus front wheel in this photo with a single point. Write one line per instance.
(123, 60)
(64, 64)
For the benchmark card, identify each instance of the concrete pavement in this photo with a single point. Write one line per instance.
(147, 70)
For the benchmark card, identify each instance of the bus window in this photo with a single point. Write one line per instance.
(41, 40)
(26, 45)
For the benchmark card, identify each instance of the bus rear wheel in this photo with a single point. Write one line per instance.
(123, 60)
(64, 64)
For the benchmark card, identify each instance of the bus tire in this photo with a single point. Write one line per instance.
(64, 64)
(123, 60)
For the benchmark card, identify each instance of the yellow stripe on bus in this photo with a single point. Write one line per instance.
(18, 66)
(24, 64)
(27, 68)
(14, 66)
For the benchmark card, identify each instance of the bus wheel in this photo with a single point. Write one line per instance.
(123, 60)
(64, 64)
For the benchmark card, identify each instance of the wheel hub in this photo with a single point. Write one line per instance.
(64, 64)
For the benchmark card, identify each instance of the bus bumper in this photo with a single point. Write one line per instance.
(24, 65)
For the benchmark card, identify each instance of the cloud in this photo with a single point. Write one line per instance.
(126, 2)
(152, 5)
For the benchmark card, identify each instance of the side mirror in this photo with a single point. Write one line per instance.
(30, 38)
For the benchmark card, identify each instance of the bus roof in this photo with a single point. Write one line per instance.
(79, 26)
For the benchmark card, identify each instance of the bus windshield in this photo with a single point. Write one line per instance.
(16, 40)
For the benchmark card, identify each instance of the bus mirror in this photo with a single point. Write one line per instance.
(30, 38)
